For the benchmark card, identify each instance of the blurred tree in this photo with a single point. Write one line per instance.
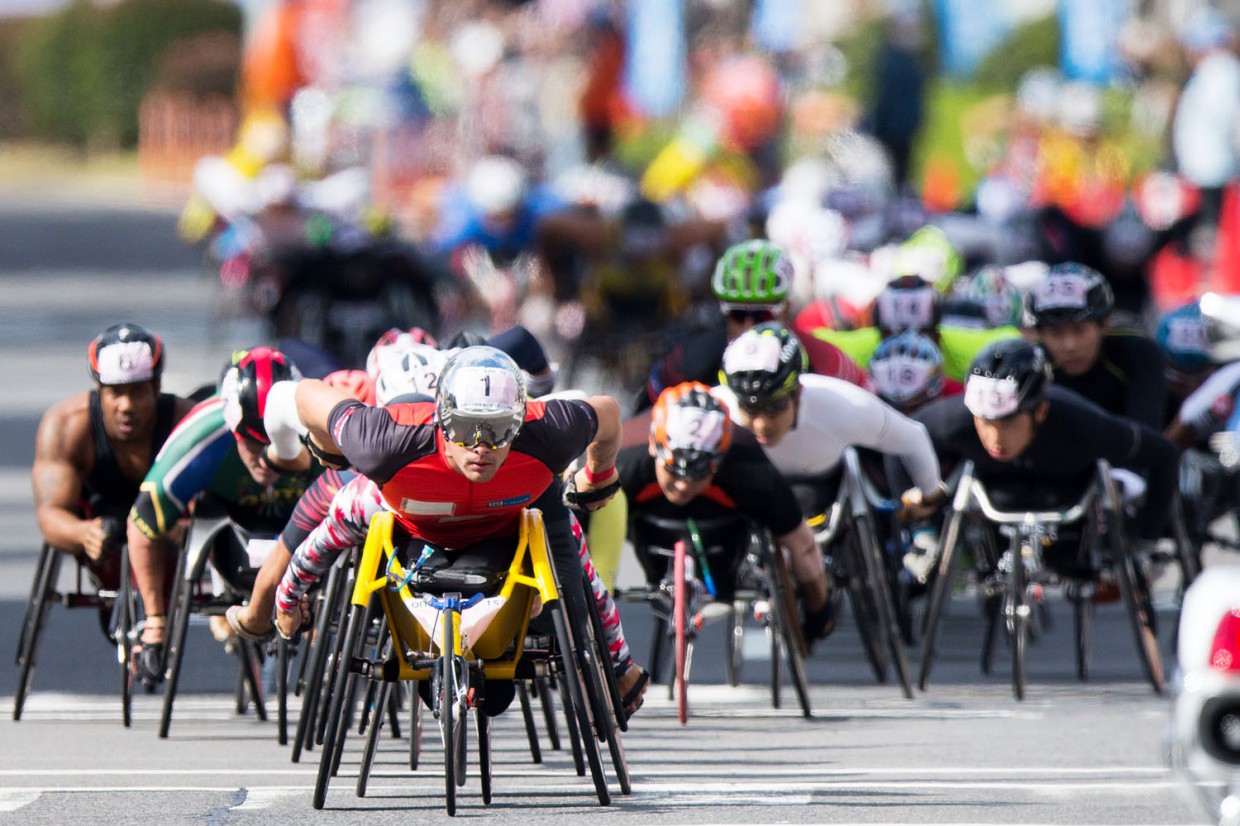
(85, 69)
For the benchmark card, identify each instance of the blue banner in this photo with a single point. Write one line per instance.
(968, 31)
(655, 71)
(777, 25)
(1088, 35)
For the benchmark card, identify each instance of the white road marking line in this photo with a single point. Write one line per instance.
(260, 798)
(13, 799)
(642, 770)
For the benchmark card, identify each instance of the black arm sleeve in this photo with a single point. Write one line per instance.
(560, 435)
(375, 444)
(1146, 399)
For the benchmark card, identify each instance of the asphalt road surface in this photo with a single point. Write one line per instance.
(963, 752)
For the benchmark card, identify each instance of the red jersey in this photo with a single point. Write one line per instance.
(400, 448)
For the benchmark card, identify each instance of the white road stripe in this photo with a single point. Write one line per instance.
(13, 799)
(679, 770)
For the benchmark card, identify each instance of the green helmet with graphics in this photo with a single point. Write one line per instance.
(752, 274)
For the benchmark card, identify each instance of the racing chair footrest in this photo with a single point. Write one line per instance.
(99, 600)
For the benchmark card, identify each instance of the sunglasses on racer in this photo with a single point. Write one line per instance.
(686, 463)
(741, 316)
(493, 432)
(772, 406)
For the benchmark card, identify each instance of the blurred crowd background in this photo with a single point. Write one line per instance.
(1083, 130)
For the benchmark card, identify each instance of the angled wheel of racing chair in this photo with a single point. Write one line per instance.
(1013, 578)
(721, 568)
(118, 607)
(454, 644)
(848, 537)
(317, 664)
(213, 539)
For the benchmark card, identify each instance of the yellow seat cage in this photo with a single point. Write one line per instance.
(500, 646)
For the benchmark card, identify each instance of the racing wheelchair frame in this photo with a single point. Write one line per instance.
(121, 605)
(847, 535)
(454, 643)
(1015, 575)
(764, 588)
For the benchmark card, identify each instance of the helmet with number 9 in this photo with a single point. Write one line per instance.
(690, 430)
(907, 370)
(763, 363)
(1007, 377)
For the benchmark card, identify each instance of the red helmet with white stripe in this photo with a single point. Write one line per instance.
(246, 386)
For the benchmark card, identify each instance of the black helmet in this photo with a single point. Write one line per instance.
(1007, 377)
(1071, 293)
(909, 302)
(125, 354)
(246, 386)
(764, 363)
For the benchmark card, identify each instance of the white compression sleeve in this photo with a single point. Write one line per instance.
(280, 419)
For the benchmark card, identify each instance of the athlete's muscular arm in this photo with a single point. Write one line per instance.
(61, 455)
(601, 452)
(315, 402)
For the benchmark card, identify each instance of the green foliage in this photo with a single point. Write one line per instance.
(1029, 46)
(12, 117)
(85, 70)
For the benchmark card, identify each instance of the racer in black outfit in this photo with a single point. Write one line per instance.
(692, 468)
(1120, 372)
(92, 450)
(1035, 446)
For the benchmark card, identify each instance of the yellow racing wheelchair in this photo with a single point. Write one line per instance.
(456, 630)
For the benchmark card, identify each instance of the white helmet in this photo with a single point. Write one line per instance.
(415, 371)
(495, 185)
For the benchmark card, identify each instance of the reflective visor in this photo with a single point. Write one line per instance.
(494, 431)
(687, 463)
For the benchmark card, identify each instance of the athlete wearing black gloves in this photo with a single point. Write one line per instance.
(1035, 446)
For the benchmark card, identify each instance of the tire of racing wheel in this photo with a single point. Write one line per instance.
(124, 612)
(351, 636)
(183, 598)
(42, 593)
(680, 621)
(316, 663)
(783, 603)
(940, 590)
(603, 691)
(372, 737)
(577, 704)
(1016, 609)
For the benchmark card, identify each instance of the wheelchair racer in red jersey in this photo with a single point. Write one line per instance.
(457, 473)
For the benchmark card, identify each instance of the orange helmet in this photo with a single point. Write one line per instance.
(357, 383)
(691, 430)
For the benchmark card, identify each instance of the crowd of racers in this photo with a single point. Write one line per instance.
(1031, 379)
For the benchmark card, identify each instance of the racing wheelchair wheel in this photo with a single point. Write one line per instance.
(42, 593)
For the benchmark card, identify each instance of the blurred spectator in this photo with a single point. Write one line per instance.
(1204, 132)
(898, 108)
